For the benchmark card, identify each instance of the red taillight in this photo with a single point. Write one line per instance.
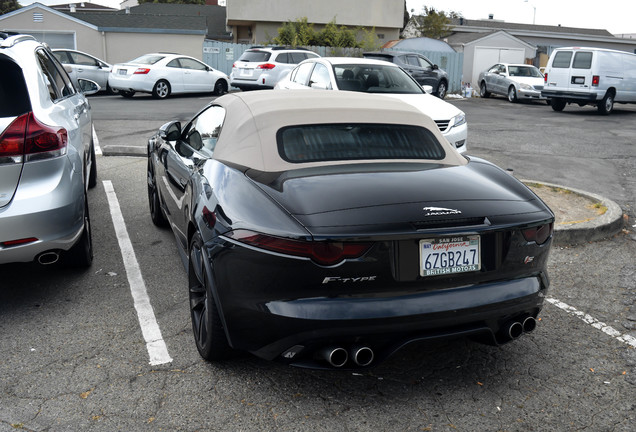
(596, 80)
(323, 253)
(266, 66)
(539, 234)
(12, 139)
(209, 217)
(27, 136)
(233, 65)
(545, 77)
(141, 71)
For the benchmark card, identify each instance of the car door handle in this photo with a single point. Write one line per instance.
(80, 70)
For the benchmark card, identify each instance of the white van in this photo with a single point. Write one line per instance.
(590, 76)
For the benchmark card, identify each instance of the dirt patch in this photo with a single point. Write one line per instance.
(568, 207)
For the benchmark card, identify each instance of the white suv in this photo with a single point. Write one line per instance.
(47, 158)
(262, 68)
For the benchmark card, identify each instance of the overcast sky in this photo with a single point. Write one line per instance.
(616, 16)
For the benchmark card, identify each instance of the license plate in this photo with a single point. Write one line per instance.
(246, 72)
(449, 255)
(121, 71)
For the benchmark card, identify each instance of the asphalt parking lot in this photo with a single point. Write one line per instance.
(77, 356)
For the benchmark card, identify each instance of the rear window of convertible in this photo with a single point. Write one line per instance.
(338, 142)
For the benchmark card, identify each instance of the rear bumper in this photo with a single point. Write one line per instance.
(269, 311)
(569, 96)
(137, 83)
(48, 205)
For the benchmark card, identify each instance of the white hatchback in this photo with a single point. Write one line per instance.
(163, 74)
(381, 77)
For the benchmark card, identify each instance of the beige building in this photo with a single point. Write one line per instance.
(257, 21)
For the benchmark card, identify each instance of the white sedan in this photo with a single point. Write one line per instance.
(165, 74)
(378, 76)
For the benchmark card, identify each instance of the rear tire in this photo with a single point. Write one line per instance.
(483, 91)
(81, 254)
(442, 89)
(161, 90)
(606, 106)
(220, 87)
(92, 176)
(207, 327)
(557, 104)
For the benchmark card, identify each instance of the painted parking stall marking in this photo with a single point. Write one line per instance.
(611, 331)
(157, 349)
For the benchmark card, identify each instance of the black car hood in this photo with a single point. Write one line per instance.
(369, 199)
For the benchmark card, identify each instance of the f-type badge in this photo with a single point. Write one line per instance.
(440, 211)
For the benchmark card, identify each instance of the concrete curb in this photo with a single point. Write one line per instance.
(602, 227)
(124, 150)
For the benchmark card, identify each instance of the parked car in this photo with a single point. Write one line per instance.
(47, 157)
(378, 76)
(261, 68)
(418, 66)
(329, 229)
(162, 74)
(590, 76)
(85, 66)
(516, 81)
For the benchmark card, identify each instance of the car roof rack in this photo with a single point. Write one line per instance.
(13, 39)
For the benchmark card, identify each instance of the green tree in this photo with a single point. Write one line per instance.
(7, 6)
(296, 33)
(196, 2)
(435, 24)
(302, 33)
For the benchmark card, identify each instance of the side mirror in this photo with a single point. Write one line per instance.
(170, 131)
(88, 87)
(435, 67)
(428, 89)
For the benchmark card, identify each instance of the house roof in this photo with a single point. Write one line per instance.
(466, 38)
(81, 6)
(485, 25)
(143, 23)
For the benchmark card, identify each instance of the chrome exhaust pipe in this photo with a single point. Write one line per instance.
(48, 258)
(529, 324)
(362, 355)
(513, 329)
(336, 357)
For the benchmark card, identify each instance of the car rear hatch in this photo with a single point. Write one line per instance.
(249, 66)
(570, 71)
(393, 200)
(15, 101)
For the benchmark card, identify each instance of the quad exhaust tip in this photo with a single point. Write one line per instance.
(362, 355)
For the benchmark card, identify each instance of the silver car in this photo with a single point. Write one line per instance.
(516, 81)
(47, 158)
(85, 66)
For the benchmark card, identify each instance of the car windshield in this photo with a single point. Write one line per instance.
(255, 56)
(147, 59)
(338, 142)
(375, 79)
(524, 71)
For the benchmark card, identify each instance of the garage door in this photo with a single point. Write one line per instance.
(54, 39)
(487, 56)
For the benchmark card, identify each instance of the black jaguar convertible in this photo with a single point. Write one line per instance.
(329, 229)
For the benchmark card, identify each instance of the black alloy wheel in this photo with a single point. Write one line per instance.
(207, 327)
(156, 213)
(220, 87)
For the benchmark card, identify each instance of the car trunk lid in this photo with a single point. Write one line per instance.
(398, 199)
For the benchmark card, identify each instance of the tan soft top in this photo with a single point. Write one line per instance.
(248, 137)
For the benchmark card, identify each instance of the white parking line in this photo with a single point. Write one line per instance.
(611, 331)
(98, 149)
(155, 344)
